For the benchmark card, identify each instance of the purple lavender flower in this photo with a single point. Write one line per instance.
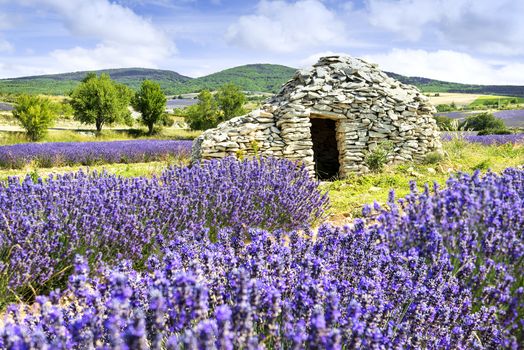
(441, 268)
(89, 153)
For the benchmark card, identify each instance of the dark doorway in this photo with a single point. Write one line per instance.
(323, 134)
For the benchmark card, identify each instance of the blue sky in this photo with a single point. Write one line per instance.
(473, 41)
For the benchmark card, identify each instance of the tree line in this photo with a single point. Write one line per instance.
(99, 101)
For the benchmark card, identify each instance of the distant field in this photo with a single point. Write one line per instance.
(512, 118)
(450, 97)
(489, 100)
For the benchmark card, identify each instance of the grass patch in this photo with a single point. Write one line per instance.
(126, 170)
(11, 137)
(348, 196)
(495, 101)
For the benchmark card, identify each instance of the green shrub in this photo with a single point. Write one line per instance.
(433, 158)
(483, 165)
(376, 158)
(36, 114)
(446, 108)
(483, 121)
(445, 123)
(168, 120)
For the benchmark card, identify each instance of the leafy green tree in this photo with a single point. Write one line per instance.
(204, 114)
(483, 121)
(100, 101)
(63, 109)
(230, 100)
(36, 114)
(89, 75)
(151, 102)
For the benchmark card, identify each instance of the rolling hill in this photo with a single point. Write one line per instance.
(432, 85)
(61, 84)
(251, 77)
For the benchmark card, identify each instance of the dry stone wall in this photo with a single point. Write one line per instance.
(368, 107)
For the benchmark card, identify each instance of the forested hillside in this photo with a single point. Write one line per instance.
(251, 77)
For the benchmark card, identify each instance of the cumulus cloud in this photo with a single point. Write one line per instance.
(124, 38)
(449, 66)
(484, 25)
(279, 26)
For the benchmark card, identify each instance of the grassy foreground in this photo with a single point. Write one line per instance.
(348, 196)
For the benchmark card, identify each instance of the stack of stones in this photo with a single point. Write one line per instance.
(368, 106)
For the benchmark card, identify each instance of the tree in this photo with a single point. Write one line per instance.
(100, 101)
(36, 114)
(204, 114)
(230, 100)
(63, 109)
(89, 75)
(151, 102)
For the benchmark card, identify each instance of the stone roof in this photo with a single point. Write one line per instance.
(342, 80)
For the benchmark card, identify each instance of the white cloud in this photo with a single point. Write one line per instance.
(124, 38)
(105, 20)
(483, 25)
(279, 26)
(449, 66)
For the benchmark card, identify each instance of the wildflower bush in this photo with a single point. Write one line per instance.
(54, 154)
(488, 140)
(439, 269)
(43, 225)
(377, 158)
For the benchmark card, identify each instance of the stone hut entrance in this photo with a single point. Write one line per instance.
(325, 150)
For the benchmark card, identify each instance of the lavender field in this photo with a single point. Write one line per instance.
(5, 107)
(488, 140)
(56, 154)
(222, 256)
(512, 118)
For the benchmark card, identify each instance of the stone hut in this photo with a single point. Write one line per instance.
(329, 117)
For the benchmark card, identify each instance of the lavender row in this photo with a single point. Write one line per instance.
(486, 139)
(90, 153)
(43, 225)
(440, 269)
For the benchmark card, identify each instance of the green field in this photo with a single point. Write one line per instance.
(10, 136)
(497, 101)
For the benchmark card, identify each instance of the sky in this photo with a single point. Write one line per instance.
(468, 41)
